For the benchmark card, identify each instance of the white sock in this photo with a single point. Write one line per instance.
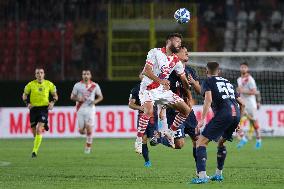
(218, 172)
(202, 174)
(164, 124)
(245, 138)
(258, 140)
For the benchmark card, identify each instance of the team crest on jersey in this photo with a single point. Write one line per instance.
(43, 118)
(40, 89)
(165, 70)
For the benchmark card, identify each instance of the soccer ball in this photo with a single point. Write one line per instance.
(182, 15)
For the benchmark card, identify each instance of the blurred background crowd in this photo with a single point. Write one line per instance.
(65, 36)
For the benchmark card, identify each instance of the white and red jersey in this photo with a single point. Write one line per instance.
(247, 82)
(88, 91)
(162, 66)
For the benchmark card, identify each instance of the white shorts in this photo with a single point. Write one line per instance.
(159, 96)
(86, 116)
(250, 110)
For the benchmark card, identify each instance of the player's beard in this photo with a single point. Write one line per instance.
(173, 49)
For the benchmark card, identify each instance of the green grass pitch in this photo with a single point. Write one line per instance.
(113, 164)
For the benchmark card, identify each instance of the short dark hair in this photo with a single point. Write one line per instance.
(39, 68)
(171, 35)
(212, 67)
(86, 70)
(244, 63)
(183, 45)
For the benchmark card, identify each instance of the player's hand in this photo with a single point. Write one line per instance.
(190, 79)
(199, 126)
(30, 106)
(241, 90)
(165, 83)
(50, 105)
(81, 99)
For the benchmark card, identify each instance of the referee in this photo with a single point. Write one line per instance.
(36, 97)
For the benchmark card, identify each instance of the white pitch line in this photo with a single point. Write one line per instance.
(4, 163)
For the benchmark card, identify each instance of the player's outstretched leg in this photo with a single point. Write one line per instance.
(258, 143)
(184, 111)
(221, 156)
(142, 125)
(201, 157)
(145, 152)
(193, 139)
(241, 133)
(89, 139)
(37, 139)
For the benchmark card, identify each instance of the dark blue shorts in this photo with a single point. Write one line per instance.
(223, 124)
(188, 127)
(38, 114)
(152, 126)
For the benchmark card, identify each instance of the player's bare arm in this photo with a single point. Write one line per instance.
(149, 73)
(206, 106)
(25, 99)
(98, 99)
(52, 102)
(132, 104)
(185, 84)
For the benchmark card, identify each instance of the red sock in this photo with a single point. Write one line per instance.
(142, 125)
(179, 119)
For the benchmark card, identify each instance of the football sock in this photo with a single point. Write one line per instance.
(145, 152)
(218, 172)
(179, 119)
(258, 140)
(89, 140)
(37, 142)
(244, 139)
(194, 155)
(221, 156)
(201, 157)
(163, 125)
(142, 125)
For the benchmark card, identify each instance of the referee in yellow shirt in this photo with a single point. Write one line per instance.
(36, 97)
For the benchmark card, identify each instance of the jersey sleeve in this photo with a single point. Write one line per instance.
(179, 68)
(252, 84)
(98, 91)
(151, 56)
(52, 88)
(239, 82)
(27, 89)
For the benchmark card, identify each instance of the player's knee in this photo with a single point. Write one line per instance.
(202, 141)
(89, 133)
(144, 139)
(256, 125)
(39, 128)
(82, 131)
